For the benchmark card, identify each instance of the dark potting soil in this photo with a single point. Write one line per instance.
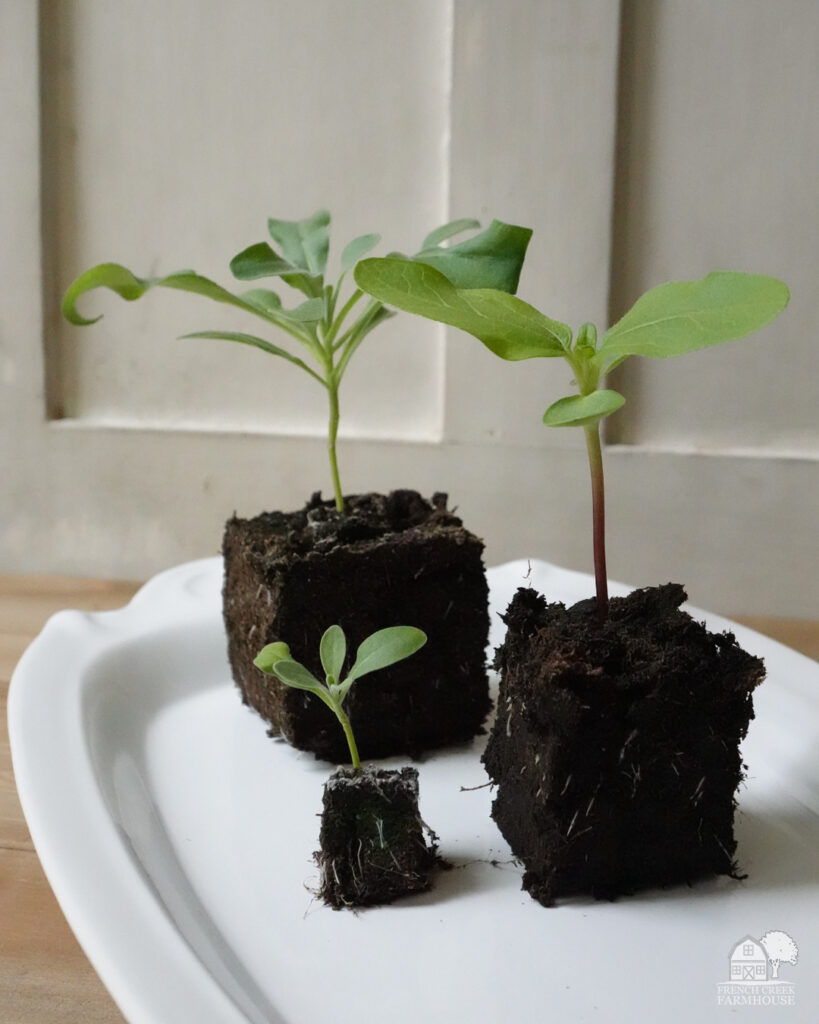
(615, 748)
(373, 846)
(393, 559)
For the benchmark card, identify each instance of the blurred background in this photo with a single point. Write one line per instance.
(643, 141)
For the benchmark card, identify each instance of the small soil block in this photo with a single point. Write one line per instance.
(391, 560)
(373, 849)
(616, 745)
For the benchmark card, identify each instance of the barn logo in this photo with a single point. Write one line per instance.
(753, 972)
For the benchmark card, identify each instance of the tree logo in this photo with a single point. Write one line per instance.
(753, 972)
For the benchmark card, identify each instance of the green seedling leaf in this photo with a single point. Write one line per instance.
(260, 260)
(333, 651)
(684, 316)
(130, 287)
(356, 249)
(491, 259)
(384, 648)
(264, 300)
(309, 312)
(294, 674)
(508, 326)
(304, 243)
(257, 261)
(271, 654)
(250, 339)
(445, 231)
(582, 410)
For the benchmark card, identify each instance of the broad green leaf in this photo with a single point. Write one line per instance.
(333, 651)
(491, 259)
(582, 410)
(129, 287)
(385, 648)
(304, 243)
(271, 654)
(260, 343)
(445, 231)
(353, 251)
(259, 260)
(684, 316)
(508, 326)
(296, 675)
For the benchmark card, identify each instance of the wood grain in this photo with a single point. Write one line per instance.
(44, 975)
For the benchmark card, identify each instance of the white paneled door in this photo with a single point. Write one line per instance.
(640, 144)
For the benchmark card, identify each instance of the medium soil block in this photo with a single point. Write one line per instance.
(391, 560)
(616, 745)
(373, 848)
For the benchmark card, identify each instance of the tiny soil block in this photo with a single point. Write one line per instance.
(373, 849)
(616, 745)
(390, 560)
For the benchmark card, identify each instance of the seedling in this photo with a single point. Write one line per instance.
(322, 324)
(669, 320)
(379, 650)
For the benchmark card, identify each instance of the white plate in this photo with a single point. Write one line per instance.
(178, 839)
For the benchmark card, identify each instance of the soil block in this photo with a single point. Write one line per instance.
(373, 849)
(391, 560)
(615, 748)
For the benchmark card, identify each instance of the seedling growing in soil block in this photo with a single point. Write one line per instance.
(362, 557)
(615, 748)
(372, 842)
(394, 555)
(324, 324)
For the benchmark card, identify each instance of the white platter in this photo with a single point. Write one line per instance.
(178, 839)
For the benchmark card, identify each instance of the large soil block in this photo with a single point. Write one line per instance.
(616, 745)
(391, 560)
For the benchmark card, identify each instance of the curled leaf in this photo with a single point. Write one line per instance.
(130, 287)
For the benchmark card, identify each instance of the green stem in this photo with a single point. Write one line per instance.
(348, 732)
(332, 434)
(339, 320)
(592, 432)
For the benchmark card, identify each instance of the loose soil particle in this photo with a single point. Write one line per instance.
(615, 748)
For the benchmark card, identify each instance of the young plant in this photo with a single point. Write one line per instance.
(323, 323)
(379, 650)
(669, 320)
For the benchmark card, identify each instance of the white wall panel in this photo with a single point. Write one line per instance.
(166, 133)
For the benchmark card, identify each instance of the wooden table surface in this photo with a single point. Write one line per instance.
(44, 975)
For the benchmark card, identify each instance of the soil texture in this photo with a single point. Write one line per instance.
(373, 846)
(615, 748)
(390, 560)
